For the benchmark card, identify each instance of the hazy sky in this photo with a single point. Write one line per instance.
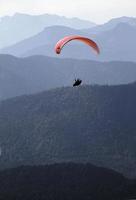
(95, 10)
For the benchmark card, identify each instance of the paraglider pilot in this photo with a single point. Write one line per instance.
(77, 82)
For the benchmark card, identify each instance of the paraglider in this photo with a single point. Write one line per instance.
(61, 43)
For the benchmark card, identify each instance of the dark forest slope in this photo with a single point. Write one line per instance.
(65, 182)
(94, 124)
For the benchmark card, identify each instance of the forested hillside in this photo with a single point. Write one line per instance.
(87, 124)
(65, 181)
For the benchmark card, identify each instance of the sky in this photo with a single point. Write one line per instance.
(98, 11)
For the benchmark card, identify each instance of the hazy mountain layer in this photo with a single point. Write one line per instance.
(111, 24)
(117, 43)
(20, 26)
(33, 74)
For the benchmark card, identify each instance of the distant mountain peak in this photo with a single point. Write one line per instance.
(124, 19)
(20, 26)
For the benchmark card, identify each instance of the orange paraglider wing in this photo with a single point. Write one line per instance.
(61, 43)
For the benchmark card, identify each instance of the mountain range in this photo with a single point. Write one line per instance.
(111, 24)
(94, 124)
(20, 26)
(37, 73)
(117, 43)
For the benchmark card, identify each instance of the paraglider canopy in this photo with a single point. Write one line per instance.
(61, 43)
